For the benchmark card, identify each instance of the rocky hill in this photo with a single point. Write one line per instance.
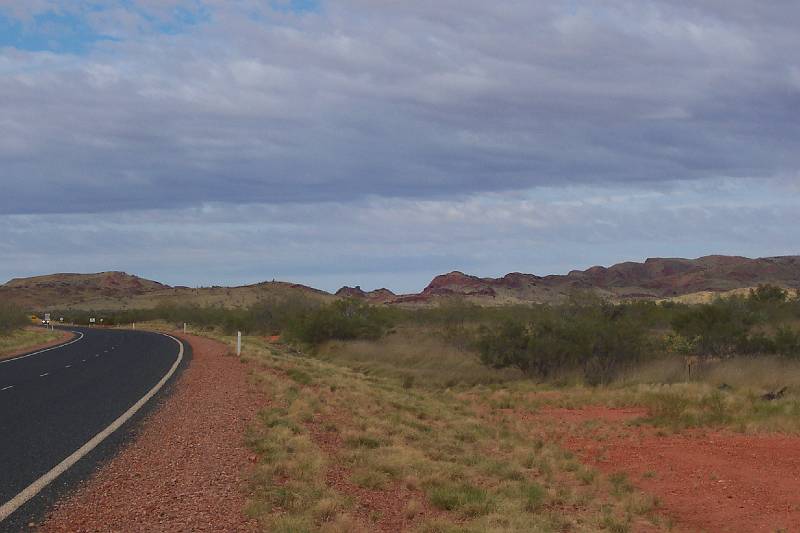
(653, 279)
(118, 290)
(376, 296)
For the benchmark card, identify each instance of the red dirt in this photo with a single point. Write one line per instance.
(589, 413)
(64, 337)
(706, 480)
(388, 504)
(185, 469)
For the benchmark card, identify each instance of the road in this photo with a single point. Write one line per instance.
(61, 407)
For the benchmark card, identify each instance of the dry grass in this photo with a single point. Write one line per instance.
(26, 338)
(417, 356)
(723, 395)
(461, 467)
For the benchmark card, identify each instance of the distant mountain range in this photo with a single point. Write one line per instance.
(654, 279)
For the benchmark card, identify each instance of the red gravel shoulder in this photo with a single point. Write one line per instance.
(186, 468)
(64, 337)
(705, 480)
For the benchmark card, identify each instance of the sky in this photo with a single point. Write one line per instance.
(382, 142)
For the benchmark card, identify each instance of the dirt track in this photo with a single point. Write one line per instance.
(707, 481)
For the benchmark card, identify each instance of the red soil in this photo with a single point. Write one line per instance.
(184, 471)
(706, 480)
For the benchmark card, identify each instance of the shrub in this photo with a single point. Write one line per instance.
(599, 340)
(719, 328)
(768, 294)
(11, 318)
(787, 342)
(341, 320)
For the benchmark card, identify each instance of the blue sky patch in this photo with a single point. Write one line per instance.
(61, 33)
(69, 29)
(296, 6)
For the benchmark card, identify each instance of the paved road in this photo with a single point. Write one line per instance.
(54, 402)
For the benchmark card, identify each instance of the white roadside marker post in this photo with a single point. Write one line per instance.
(238, 343)
(134, 325)
(184, 327)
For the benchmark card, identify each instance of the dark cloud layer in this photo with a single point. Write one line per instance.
(411, 99)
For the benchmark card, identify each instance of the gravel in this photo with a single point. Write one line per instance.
(186, 468)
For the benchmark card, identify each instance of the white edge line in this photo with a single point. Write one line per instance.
(34, 488)
(46, 349)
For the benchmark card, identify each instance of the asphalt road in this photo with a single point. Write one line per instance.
(52, 403)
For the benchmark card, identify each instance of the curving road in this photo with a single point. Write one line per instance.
(60, 410)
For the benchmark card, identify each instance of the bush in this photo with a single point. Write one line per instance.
(768, 294)
(787, 342)
(268, 317)
(598, 340)
(719, 328)
(11, 318)
(341, 320)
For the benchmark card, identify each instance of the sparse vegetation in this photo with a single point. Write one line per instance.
(11, 319)
(14, 337)
(367, 403)
(335, 432)
(23, 339)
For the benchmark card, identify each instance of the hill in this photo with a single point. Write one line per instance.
(118, 290)
(656, 278)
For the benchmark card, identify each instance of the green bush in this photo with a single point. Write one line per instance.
(599, 340)
(266, 318)
(11, 318)
(787, 342)
(719, 327)
(341, 320)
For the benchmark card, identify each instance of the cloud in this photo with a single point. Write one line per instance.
(384, 142)
(249, 103)
(403, 243)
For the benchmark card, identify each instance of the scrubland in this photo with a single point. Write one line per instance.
(442, 419)
(344, 446)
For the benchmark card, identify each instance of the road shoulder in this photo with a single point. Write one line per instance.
(186, 468)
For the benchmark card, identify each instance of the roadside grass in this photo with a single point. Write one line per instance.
(719, 395)
(418, 356)
(23, 339)
(722, 395)
(461, 468)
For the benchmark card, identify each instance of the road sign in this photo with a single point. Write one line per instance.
(47, 317)
(92, 321)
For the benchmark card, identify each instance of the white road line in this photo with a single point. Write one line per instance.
(45, 350)
(83, 360)
(67, 366)
(6, 388)
(45, 374)
(34, 488)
